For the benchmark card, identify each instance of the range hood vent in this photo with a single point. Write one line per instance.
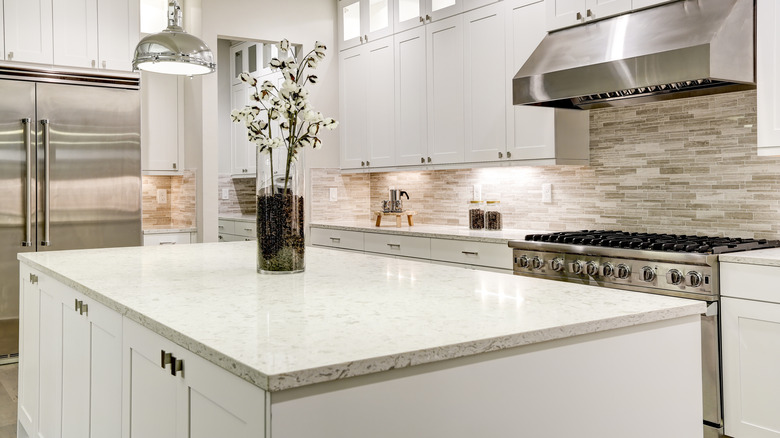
(682, 49)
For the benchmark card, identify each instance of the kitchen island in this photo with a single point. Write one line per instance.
(360, 346)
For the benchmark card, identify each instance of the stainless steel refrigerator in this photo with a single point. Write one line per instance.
(70, 174)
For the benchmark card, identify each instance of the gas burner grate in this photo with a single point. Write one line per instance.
(655, 241)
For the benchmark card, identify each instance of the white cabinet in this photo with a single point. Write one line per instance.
(242, 151)
(411, 127)
(233, 230)
(80, 345)
(768, 76)
(162, 123)
(444, 41)
(28, 31)
(99, 34)
(364, 21)
(172, 238)
(249, 57)
(337, 238)
(413, 13)
(751, 357)
(557, 136)
(170, 392)
(29, 349)
(75, 33)
(393, 244)
(368, 105)
(484, 44)
(750, 318)
(117, 27)
(566, 13)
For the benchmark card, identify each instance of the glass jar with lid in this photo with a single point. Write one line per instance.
(493, 215)
(476, 215)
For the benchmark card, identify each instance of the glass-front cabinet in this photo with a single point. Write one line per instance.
(361, 21)
(413, 13)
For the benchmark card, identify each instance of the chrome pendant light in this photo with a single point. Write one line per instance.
(173, 51)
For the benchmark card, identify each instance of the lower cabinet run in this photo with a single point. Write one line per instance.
(174, 393)
(90, 372)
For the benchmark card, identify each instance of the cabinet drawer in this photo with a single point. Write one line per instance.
(406, 246)
(752, 282)
(337, 238)
(226, 226)
(494, 255)
(246, 229)
(166, 239)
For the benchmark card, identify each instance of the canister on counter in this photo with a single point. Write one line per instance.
(493, 215)
(476, 215)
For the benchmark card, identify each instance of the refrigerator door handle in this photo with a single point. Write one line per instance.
(28, 153)
(47, 183)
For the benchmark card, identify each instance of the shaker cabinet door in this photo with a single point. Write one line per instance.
(411, 128)
(28, 31)
(75, 33)
(354, 83)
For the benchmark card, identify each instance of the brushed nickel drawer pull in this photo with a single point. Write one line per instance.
(394, 245)
(335, 239)
(165, 358)
(474, 253)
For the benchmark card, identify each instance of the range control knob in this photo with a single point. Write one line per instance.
(556, 264)
(623, 272)
(592, 269)
(522, 261)
(537, 263)
(576, 267)
(693, 279)
(648, 274)
(673, 276)
(606, 270)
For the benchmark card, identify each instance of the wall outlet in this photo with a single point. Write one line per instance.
(547, 193)
(162, 196)
(334, 194)
(477, 192)
(225, 194)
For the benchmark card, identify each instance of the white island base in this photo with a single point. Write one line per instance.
(639, 382)
(176, 342)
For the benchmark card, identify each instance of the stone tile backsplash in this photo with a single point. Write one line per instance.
(684, 166)
(180, 209)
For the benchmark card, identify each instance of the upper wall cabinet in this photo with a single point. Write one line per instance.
(28, 31)
(99, 34)
(553, 135)
(162, 132)
(413, 13)
(361, 21)
(768, 76)
(565, 13)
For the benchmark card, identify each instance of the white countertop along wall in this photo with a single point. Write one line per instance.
(349, 314)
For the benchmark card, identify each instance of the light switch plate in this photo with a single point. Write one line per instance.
(225, 194)
(334, 194)
(162, 196)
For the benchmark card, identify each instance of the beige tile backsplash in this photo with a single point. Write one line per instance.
(684, 166)
(180, 209)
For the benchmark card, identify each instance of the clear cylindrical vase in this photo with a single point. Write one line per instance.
(280, 205)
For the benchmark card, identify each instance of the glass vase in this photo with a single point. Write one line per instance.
(280, 204)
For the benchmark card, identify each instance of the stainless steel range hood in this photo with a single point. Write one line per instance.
(682, 49)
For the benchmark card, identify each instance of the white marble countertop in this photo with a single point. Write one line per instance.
(161, 229)
(349, 314)
(436, 231)
(766, 257)
(238, 217)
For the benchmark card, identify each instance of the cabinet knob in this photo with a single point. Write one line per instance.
(361, 38)
(76, 304)
(33, 278)
(368, 163)
(10, 55)
(428, 17)
(500, 155)
(429, 159)
(365, 38)
(508, 154)
(362, 163)
(589, 13)
(84, 309)
(422, 160)
(93, 63)
(422, 20)
(174, 166)
(579, 16)
(104, 64)
(176, 365)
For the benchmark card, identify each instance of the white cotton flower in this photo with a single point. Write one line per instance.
(312, 62)
(330, 123)
(319, 45)
(305, 142)
(236, 115)
(312, 78)
(313, 130)
(275, 63)
(317, 143)
(284, 45)
(255, 110)
(267, 86)
(255, 97)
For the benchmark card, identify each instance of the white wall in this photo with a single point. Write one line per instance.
(300, 21)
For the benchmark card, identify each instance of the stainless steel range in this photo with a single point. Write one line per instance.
(665, 264)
